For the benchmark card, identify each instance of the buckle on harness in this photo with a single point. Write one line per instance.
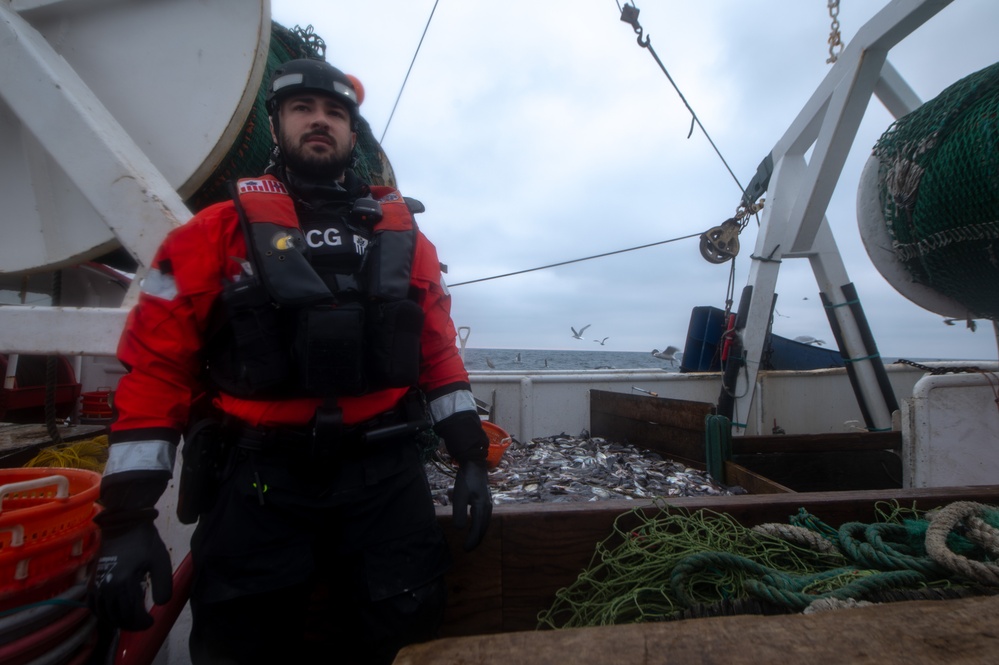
(326, 426)
(408, 418)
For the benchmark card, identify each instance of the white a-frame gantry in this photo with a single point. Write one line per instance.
(794, 224)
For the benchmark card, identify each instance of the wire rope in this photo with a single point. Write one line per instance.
(647, 43)
(411, 63)
(563, 263)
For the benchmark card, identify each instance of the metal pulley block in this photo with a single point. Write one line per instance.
(721, 243)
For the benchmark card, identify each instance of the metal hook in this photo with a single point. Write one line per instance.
(629, 14)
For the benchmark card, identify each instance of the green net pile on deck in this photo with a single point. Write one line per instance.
(939, 186)
(676, 564)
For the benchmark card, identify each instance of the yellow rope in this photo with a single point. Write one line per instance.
(90, 454)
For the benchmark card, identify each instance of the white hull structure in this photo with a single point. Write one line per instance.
(949, 422)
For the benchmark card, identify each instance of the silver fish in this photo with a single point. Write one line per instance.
(562, 469)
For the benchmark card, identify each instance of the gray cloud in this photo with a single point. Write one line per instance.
(541, 132)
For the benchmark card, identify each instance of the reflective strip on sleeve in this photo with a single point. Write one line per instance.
(446, 405)
(159, 285)
(156, 455)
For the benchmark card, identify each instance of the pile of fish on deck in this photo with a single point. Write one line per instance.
(559, 469)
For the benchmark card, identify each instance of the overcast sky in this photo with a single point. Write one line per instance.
(540, 132)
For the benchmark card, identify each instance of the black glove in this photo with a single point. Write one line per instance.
(467, 443)
(126, 557)
(471, 491)
(131, 548)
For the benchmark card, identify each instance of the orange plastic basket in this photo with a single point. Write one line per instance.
(47, 534)
(44, 502)
(97, 404)
(41, 570)
(499, 441)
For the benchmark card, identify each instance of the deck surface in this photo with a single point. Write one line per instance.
(19, 443)
(957, 632)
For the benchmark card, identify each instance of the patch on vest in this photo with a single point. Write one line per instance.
(283, 241)
(262, 187)
(336, 246)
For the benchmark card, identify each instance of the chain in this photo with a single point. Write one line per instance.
(835, 45)
(970, 369)
(936, 371)
(743, 212)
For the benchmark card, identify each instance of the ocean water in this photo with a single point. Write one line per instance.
(524, 360)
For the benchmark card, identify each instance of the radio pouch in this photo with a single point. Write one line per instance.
(393, 343)
(329, 350)
(249, 357)
(389, 263)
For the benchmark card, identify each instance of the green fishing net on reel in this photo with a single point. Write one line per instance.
(250, 152)
(939, 189)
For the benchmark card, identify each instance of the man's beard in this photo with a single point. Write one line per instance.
(303, 163)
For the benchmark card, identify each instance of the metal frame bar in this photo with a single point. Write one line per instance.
(794, 223)
(128, 192)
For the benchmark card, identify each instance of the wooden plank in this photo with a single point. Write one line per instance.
(671, 427)
(754, 483)
(957, 632)
(671, 444)
(475, 587)
(838, 442)
(542, 550)
(19, 443)
(677, 413)
(821, 471)
(538, 547)
(544, 547)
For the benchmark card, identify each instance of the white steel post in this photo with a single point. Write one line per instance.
(794, 224)
(118, 180)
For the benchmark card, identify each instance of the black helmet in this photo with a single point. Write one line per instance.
(307, 74)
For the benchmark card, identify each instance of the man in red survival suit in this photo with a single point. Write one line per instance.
(311, 312)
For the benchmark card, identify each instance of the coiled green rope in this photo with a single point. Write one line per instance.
(865, 544)
(675, 561)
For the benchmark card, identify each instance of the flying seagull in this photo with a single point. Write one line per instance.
(579, 334)
(601, 341)
(669, 353)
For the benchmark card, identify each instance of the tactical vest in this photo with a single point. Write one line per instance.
(289, 330)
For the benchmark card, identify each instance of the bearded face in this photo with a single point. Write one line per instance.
(315, 136)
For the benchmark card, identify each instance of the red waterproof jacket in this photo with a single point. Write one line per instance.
(165, 333)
